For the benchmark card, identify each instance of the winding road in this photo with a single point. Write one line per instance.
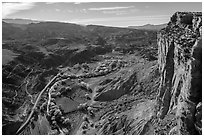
(34, 107)
(39, 96)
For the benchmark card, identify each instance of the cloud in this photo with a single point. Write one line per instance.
(120, 12)
(57, 10)
(13, 7)
(147, 7)
(110, 8)
(51, 2)
(83, 11)
(77, 2)
(115, 12)
(80, 2)
(67, 10)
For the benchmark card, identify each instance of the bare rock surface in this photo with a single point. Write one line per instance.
(180, 65)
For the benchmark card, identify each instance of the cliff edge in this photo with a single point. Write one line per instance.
(180, 65)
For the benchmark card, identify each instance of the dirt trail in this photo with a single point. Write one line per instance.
(34, 107)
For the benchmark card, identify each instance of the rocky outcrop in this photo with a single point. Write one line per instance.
(180, 65)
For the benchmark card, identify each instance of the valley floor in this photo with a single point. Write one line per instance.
(113, 96)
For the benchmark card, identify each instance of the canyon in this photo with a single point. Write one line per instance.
(68, 79)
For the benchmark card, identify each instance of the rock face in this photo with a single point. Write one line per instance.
(180, 65)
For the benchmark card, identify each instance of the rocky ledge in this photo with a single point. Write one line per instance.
(180, 65)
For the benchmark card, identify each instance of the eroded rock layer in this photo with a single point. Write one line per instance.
(180, 64)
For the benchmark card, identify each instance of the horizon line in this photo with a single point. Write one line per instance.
(79, 23)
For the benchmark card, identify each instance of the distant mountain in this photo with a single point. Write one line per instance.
(55, 35)
(42, 30)
(9, 31)
(149, 27)
(20, 21)
(75, 32)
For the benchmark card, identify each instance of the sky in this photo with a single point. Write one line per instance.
(120, 14)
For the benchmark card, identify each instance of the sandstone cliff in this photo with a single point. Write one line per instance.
(180, 65)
